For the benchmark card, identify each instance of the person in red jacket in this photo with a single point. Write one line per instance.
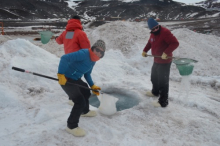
(162, 43)
(73, 38)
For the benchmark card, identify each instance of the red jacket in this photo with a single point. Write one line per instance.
(164, 42)
(79, 39)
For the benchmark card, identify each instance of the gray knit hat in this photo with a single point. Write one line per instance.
(99, 43)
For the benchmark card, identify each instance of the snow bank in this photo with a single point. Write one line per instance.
(34, 110)
(131, 37)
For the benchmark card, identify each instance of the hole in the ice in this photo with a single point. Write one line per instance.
(124, 101)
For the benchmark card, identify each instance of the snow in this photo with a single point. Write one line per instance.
(129, 1)
(72, 4)
(34, 110)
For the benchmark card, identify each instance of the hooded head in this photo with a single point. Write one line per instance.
(152, 23)
(74, 23)
(76, 17)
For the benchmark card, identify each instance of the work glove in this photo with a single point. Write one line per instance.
(164, 56)
(144, 54)
(94, 87)
(62, 79)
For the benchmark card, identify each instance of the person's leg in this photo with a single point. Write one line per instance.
(86, 94)
(154, 79)
(163, 78)
(79, 103)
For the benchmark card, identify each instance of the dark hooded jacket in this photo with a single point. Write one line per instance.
(165, 42)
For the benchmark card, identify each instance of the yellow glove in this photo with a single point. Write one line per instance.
(144, 54)
(164, 56)
(62, 79)
(94, 87)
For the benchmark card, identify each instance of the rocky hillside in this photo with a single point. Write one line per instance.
(34, 9)
(100, 10)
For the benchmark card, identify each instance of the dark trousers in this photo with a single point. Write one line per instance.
(80, 97)
(160, 79)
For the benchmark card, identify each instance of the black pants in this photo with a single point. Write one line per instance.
(80, 97)
(160, 79)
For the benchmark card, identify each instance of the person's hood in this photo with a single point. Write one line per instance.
(73, 24)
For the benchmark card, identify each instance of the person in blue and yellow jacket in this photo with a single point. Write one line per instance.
(71, 68)
(73, 38)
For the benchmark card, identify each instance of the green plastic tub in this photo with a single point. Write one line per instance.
(185, 66)
(45, 36)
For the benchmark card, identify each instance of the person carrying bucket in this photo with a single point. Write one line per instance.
(73, 38)
(162, 43)
(71, 68)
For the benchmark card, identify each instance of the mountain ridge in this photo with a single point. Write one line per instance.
(89, 10)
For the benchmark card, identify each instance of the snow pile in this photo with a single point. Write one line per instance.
(34, 110)
(131, 37)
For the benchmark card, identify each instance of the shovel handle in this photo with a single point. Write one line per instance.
(160, 56)
(37, 39)
(48, 77)
(18, 69)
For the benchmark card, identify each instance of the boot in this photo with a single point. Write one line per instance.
(150, 94)
(70, 102)
(89, 114)
(78, 132)
(156, 104)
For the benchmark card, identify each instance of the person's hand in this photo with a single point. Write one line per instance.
(164, 56)
(94, 87)
(144, 54)
(54, 37)
(62, 79)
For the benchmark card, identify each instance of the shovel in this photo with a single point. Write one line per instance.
(182, 60)
(22, 70)
(184, 65)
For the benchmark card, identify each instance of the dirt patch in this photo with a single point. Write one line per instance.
(206, 26)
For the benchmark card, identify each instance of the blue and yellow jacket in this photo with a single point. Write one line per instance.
(75, 65)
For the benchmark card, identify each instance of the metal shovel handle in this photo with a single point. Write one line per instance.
(39, 39)
(48, 77)
(160, 56)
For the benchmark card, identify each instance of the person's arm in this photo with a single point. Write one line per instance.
(171, 40)
(88, 77)
(148, 46)
(59, 39)
(91, 83)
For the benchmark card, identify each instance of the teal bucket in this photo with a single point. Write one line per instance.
(185, 66)
(45, 36)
